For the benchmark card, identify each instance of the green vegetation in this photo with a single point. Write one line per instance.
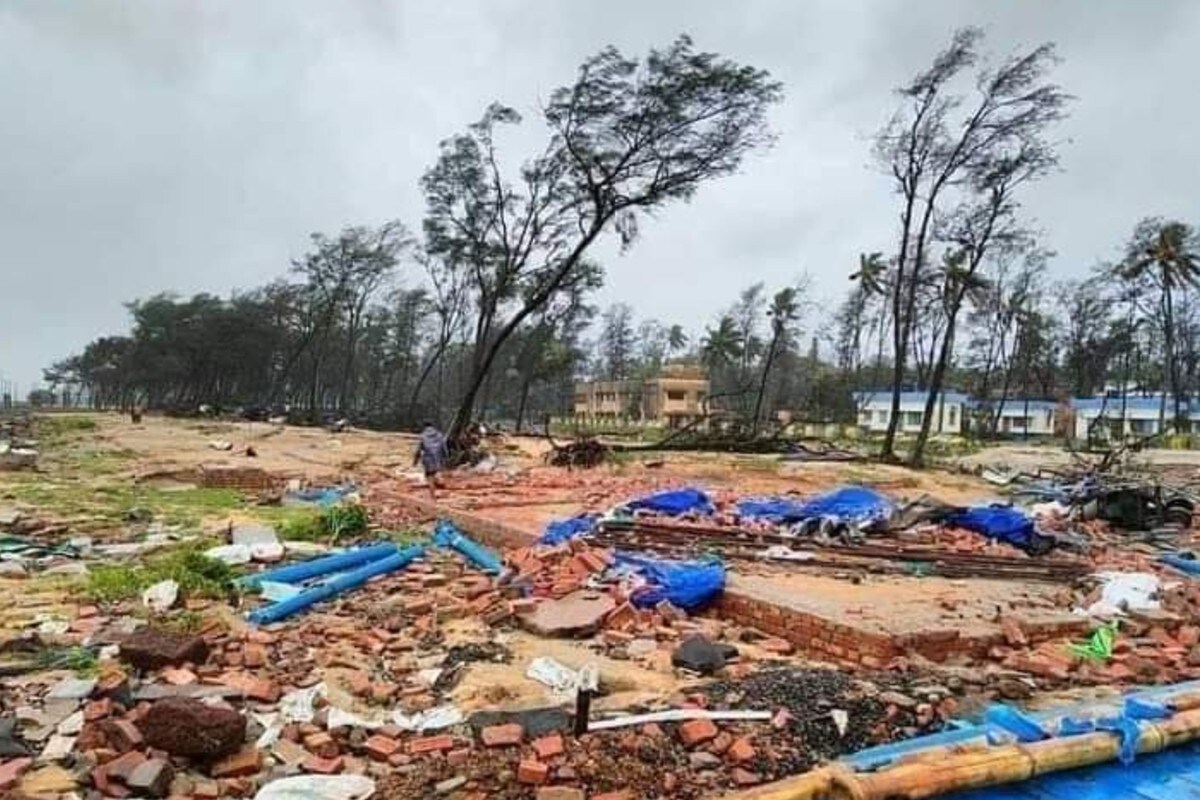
(61, 426)
(197, 576)
(184, 507)
(79, 660)
(320, 525)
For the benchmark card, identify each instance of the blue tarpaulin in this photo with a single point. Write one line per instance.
(773, 509)
(690, 585)
(1004, 523)
(674, 502)
(564, 530)
(853, 504)
(323, 496)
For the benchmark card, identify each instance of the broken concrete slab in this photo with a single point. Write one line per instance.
(578, 614)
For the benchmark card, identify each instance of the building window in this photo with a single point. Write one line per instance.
(912, 419)
(882, 417)
(1143, 427)
(676, 395)
(953, 416)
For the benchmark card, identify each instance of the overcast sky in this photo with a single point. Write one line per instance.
(192, 146)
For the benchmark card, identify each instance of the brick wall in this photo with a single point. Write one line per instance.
(250, 479)
(825, 638)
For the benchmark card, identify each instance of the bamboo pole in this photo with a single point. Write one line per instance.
(952, 768)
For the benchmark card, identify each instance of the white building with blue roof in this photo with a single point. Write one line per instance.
(1019, 416)
(875, 411)
(1134, 415)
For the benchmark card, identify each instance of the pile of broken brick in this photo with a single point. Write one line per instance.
(211, 712)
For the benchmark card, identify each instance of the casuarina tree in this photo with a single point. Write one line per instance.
(626, 138)
(942, 144)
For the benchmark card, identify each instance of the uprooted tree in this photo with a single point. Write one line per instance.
(628, 137)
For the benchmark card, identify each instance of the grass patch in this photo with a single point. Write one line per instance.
(329, 525)
(197, 576)
(61, 426)
(80, 660)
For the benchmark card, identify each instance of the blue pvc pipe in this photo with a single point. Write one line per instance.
(338, 562)
(334, 587)
(447, 535)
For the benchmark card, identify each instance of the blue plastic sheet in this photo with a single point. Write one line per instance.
(853, 504)
(1128, 730)
(674, 502)
(773, 509)
(690, 585)
(1004, 523)
(1183, 561)
(1010, 720)
(323, 496)
(564, 530)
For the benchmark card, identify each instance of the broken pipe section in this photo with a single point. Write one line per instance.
(335, 586)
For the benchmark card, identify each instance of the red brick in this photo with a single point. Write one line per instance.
(380, 747)
(322, 766)
(778, 646)
(502, 735)
(740, 751)
(622, 795)
(123, 734)
(697, 731)
(321, 744)
(98, 709)
(119, 769)
(254, 656)
(533, 772)
(456, 758)
(431, 744)
(245, 762)
(206, 790)
(11, 771)
(745, 778)
(548, 747)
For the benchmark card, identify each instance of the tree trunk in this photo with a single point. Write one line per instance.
(762, 384)
(936, 378)
(521, 404)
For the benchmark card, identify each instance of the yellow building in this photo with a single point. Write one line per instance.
(673, 398)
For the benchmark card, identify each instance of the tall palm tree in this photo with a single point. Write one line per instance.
(784, 310)
(677, 340)
(1164, 254)
(721, 345)
(872, 270)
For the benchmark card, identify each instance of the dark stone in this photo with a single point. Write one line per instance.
(150, 648)
(186, 727)
(698, 654)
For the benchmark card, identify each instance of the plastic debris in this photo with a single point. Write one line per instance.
(1002, 523)
(1009, 720)
(1122, 592)
(447, 535)
(434, 719)
(690, 585)
(562, 681)
(674, 502)
(161, 596)
(1099, 647)
(318, 787)
(680, 715)
(564, 530)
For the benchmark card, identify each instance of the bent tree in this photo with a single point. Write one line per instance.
(626, 138)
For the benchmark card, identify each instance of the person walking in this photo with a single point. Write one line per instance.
(432, 454)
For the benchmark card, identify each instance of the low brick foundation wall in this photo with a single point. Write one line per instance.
(248, 479)
(824, 637)
(817, 636)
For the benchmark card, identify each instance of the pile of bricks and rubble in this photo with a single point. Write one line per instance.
(180, 714)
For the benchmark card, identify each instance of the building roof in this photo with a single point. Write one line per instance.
(885, 395)
(1016, 405)
(1139, 404)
